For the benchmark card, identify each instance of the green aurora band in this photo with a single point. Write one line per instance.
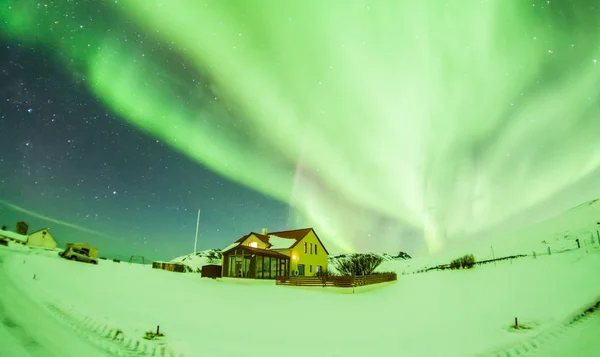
(444, 118)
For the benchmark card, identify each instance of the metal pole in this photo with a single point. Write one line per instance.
(197, 224)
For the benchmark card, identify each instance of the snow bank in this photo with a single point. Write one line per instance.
(195, 262)
(449, 313)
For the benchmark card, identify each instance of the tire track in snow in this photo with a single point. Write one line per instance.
(109, 339)
(546, 339)
(28, 329)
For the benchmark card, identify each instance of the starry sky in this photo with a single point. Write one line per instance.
(385, 125)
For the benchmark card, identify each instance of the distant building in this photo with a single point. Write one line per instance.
(12, 236)
(176, 267)
(268, 255)
(42, 238)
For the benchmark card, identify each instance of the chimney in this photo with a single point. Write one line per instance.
(22, 228)
(265, 232)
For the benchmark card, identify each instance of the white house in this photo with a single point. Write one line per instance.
(42, 238)
(14, 237)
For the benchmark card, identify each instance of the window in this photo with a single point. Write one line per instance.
(273, 267)
(253, 244)
(259, 266)
(310, 248)
(316, 248)
(305, 247)
(266, 267)
(310, 268)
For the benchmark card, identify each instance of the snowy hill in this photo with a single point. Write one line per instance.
(386, 258)
(559, 234)
(197, 261)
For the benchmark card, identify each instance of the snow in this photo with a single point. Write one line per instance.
(13, 235)
(450, 313)
(195, 262)
(230, 246)
(439, 313)
(280, 243)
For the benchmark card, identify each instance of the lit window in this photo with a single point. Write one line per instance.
(253, 244)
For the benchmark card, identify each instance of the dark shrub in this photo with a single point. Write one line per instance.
(403, 255)
(464, 262)
(358, 264)
(214, 257)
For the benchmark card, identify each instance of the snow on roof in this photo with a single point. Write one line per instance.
(13, 235)
(230, 246)
(281, 243)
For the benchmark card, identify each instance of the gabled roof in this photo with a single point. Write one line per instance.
(267, 252)
(39, 230)
(296, 234)
(263, 238)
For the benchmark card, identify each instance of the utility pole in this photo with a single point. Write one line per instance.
(197, 224)
(493, 255)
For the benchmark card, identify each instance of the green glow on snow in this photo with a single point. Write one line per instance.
(448, 118)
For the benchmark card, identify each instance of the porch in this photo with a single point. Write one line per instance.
(254, 263)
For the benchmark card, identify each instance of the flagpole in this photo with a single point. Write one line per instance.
(197, 224)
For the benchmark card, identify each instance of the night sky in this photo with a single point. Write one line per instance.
(387, 126)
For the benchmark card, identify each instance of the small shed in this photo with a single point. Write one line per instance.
(211, 271)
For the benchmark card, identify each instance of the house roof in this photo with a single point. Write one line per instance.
(39, 230)
(13, 235)
(296, 234)
(263, 238)
(258, 251)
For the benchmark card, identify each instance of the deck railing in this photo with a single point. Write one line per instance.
(336, 281)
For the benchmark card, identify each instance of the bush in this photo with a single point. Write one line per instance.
(358, 264)
(403, 255)
(464, 262)
(214, 257)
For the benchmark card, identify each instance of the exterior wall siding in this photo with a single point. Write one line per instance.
(39, 239)
(318, 258)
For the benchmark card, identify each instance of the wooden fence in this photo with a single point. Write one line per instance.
(336, 281)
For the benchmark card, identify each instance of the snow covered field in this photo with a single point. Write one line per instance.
(449, 313)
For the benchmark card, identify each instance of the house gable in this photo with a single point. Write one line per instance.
(308, 258)
(255, 240)
(300, 235)
(42, 238)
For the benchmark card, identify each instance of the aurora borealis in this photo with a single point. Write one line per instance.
(383, 124)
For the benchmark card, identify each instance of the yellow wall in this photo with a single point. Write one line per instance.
(39, 239)
(299, 257)
(253, 238)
